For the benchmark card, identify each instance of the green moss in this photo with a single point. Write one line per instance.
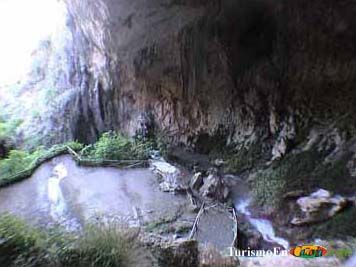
(341, 225)
(341, 250)
(304, 171)
(245, 159)
(267, 187)
(162, 224)
(334, 176)
(294, 172)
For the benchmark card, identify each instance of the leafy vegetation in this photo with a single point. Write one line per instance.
(20, 164)
(8, 128)
(19, 161)
(115, 146)
(97, 245)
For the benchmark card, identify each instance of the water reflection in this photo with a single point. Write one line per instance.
(55, 195)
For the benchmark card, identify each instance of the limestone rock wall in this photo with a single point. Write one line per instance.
(245, 71)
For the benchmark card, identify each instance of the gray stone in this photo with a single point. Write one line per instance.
(170, 176)
(197, 181)
(214, 188)
(319, 206)
(294, 194)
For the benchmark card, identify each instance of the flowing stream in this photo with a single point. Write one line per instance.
(242, 201)
(264, 226)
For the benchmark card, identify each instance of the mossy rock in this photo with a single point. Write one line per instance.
(304, 171)
(179, 254)
(247, 158)
(340, 226)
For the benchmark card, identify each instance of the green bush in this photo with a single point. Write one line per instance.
(20, 245)
(109, 245)
(18, 160)
(115, 146)
(102, 245)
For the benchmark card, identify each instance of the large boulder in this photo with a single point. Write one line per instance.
(319, 206)
(179, 254)
(197, 181)
(214, 188)
(170, 176)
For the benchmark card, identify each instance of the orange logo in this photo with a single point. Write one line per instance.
(308, 251)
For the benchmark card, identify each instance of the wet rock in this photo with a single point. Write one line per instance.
(169, 187)
(197, 181)
(218, 162)
(248, 237)
(351, 166)
(214, 188)
(287, 134)
(194, 205)
(181, 253)
(279, 149)
(170, 176)
(294, 194)
(318, 207)
(215, 226)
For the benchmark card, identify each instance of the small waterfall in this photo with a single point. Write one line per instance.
(262, 225)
